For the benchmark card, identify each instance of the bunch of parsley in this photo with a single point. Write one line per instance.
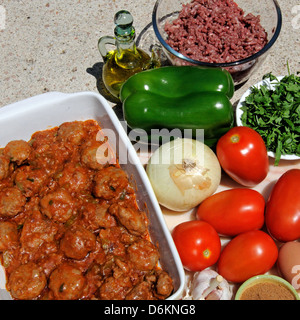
(275, 114)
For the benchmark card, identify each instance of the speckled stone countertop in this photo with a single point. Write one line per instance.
(51, 45)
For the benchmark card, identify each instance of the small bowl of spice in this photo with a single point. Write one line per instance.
(266, 287)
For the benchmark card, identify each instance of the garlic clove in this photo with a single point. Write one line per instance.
(209, 285)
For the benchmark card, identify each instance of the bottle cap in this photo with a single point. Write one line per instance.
(124, 30)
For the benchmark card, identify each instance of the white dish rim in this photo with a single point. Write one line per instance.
(239, 113)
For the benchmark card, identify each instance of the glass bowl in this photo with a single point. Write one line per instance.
(270, 19)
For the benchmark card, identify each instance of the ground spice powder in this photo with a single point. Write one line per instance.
(267, 291)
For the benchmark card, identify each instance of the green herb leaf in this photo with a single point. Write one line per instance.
(275, 114)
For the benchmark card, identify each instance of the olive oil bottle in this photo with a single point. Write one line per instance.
(126, 59)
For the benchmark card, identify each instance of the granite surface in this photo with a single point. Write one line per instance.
(51, 45)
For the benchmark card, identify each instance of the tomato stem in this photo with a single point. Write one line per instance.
(235, 138)
(206, 253)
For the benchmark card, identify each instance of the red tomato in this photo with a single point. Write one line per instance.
(247, 255)
(243, 156)
(197, 243)
(283, 207)
(233, 211)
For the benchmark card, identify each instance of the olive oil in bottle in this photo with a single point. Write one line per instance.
(126, 59)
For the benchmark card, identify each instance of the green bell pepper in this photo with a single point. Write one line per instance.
(175, 81)
(185, 97)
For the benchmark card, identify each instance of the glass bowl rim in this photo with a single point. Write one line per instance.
(222, 65)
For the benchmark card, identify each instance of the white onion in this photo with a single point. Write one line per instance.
(183, 173)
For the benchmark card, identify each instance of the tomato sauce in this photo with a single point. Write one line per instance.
(70, 227)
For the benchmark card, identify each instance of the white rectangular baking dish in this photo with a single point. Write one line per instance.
(21, 119)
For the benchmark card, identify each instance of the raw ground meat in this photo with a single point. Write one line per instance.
(215, 31)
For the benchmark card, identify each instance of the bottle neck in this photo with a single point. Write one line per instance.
(127, 55)
(125, 45)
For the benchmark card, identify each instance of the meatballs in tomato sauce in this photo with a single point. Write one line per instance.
(70, 225)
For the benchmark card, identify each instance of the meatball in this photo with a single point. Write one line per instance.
(77, 242)
(58, 205)
(131, 218)
(50, 262)
(110, 182)
(72, 132)
(94, 278)
(9, 236)
(27, 281)
(37, 230)
(30, 180)
(96, 215)
(67, 282)
(142, 291)
(12, 201)
(97, 154)
(110, 241)
(164, 285)
(75, 178)
(48, 153)
(4, 167)
(115, 288)
(143, 254)
(17, 151)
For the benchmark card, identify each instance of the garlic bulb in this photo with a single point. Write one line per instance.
(209, 285)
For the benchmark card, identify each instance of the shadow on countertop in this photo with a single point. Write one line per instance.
(96, 71)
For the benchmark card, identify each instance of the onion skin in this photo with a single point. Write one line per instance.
(183, 173)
